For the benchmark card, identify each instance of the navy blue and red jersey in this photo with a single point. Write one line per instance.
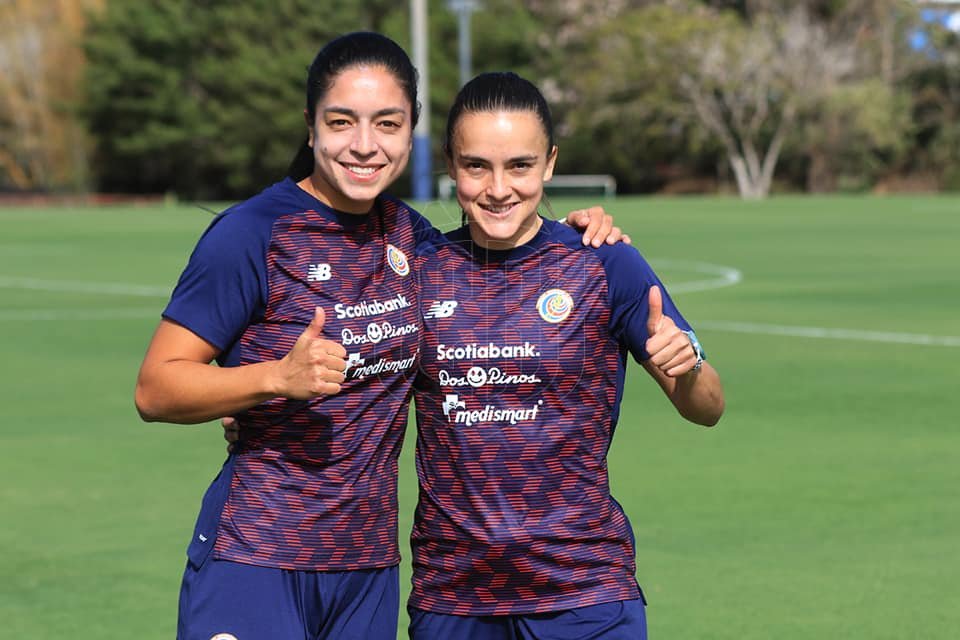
(523, 355)
(313, 485)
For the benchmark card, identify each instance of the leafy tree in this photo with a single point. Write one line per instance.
(933, 84)
(858, 132)
(749, 85)
(494, 48)
(204, 98)
(678, 82)
(620, 93)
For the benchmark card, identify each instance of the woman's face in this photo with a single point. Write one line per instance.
(500, 161)
(361, 136)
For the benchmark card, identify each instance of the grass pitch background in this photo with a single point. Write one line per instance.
(825, 504)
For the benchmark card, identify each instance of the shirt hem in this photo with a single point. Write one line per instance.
(507, 608)
(308, 566)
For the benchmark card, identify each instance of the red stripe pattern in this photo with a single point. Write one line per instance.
(516, 402)
(314, 486)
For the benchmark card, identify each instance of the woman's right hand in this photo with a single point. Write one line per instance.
(178, 384)
(314, 366)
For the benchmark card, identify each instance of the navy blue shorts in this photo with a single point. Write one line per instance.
(225, 600)
(623, 620)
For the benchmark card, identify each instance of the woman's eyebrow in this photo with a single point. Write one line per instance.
(389, 111)
(468, 158)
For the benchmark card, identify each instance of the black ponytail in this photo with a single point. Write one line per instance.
(302, 164)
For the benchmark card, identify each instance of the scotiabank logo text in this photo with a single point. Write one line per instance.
(367, 309)
(489, 351)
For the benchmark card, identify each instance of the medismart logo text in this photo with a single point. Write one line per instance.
(490, 413)
(380, 366)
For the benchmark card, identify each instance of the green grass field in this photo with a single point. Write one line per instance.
(824, 505)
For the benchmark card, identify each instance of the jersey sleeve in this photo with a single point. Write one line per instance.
(423, 231)
(223, 288)
(629, 279)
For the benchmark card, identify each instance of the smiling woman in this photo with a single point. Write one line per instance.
(360, 132)
(305, 505)
(500, 165)
(297, 537)
(499, 154)
(522, 368)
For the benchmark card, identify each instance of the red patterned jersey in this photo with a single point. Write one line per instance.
(522, 366)
(313, 484)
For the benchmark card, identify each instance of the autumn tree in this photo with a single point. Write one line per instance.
(42, 146)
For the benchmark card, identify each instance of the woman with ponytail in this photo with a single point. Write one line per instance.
(305, 299)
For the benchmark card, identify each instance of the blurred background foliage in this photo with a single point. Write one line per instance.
(204, 98)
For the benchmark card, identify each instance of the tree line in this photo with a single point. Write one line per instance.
(203, 98)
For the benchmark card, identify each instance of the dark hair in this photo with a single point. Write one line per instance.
(498, 91)
(344, 52)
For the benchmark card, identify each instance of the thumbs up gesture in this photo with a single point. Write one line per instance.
(669, 347)
(314, 366)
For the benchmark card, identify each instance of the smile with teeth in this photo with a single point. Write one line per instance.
(361, 170)
(497, 208)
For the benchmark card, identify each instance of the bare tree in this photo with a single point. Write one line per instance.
(748, 87)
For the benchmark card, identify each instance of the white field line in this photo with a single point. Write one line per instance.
(34, 315)
(832, 334)
(74, 286)
(725, 277)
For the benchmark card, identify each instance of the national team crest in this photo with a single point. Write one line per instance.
(397, 260)
(555, 305)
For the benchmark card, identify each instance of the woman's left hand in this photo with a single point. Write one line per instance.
(669, 347)
(231, 432)
(597, 226)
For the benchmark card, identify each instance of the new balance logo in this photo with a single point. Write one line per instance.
(441, 309)
(318, 272)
